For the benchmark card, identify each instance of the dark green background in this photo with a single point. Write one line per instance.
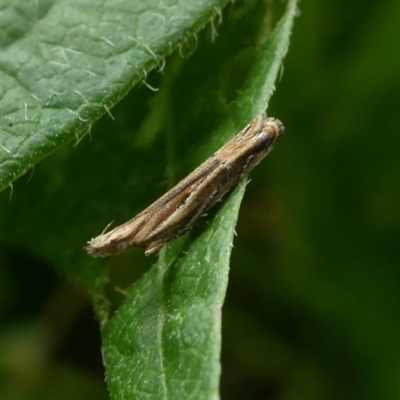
(312, 309)
(315, 314)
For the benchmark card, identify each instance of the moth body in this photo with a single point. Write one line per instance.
(169, 216)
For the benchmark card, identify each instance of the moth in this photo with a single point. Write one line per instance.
(171, 215)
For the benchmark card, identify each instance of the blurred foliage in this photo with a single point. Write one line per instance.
(313, 298)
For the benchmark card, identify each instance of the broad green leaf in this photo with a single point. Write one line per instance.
(165, 339)
(202, 101)
(63, 64)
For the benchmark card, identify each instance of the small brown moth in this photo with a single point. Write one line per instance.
(169, 216)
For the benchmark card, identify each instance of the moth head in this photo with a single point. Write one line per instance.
(270, 128)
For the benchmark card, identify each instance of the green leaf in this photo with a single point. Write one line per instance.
(164, 341)
(63, 64)
(72, 195)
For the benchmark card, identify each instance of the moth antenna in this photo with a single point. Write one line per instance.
(104, 230)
